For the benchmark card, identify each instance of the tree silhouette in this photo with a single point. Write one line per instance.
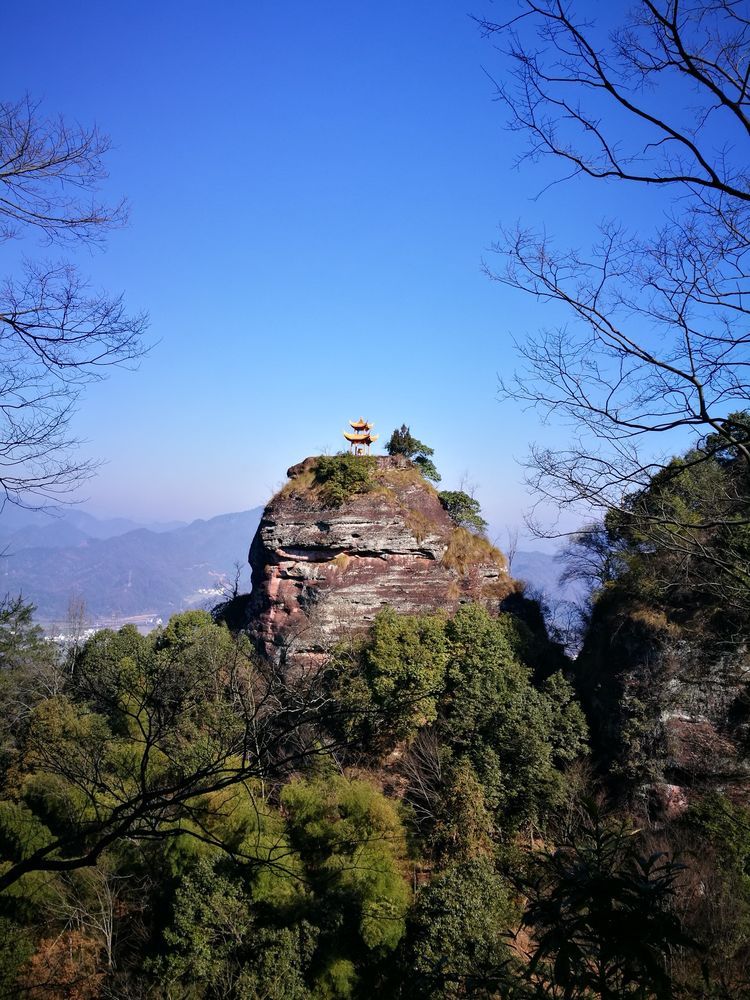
(657, 339)
(56, 333)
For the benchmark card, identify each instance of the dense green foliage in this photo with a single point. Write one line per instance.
(459, 941)
(467, 681)
(162, 834)
(464, 510)
(401, 442)
(217, 946)
(329, 903)
(131, 734)
(174, 825)
(387, 686)
(341, 476)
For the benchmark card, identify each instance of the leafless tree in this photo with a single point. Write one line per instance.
(75, 624)
(56, 333)
(511, 546)
(423, 768)
(658, 339)
(89, 904)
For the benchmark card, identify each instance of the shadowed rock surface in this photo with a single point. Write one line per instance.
(669, 710)
(320, 572)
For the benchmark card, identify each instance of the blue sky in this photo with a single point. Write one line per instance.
(313, 188)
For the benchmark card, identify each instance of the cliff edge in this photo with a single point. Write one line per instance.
(327, 557)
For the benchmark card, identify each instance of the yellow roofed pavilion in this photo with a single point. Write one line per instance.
(361, 438)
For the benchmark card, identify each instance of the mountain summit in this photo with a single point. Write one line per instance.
(350, 534)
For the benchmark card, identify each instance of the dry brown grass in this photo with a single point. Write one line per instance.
(498, 590)
(465, 549)
(400, 478)
(301, 485)
(419, 524)
(341, 561)
(654, 620)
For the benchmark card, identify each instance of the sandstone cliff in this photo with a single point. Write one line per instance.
(668, 709)
(322, 571)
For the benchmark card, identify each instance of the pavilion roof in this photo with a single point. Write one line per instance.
(362, 438)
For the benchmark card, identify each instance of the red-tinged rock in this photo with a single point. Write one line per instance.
(671, 800)
(697, 749)
(321, 572)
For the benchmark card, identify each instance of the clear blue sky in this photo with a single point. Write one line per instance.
(313, 187)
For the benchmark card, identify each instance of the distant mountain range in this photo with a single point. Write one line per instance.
(119, 569)
(122, 570)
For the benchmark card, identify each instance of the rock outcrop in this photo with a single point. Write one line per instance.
(669, 710)
(321, 572)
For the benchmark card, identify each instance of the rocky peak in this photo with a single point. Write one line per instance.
(321, 571)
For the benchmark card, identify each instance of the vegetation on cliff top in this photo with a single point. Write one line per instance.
(463, 510)
(333, 480)
(340, 477)
(336, 479)
(402, 442)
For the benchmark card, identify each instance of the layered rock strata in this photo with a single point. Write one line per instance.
(322, 572)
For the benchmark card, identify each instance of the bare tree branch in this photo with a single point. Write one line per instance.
(657, 343)
(56, 334)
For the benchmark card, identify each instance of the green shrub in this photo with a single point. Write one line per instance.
(353, 845)
(342, 476)
(402, 443)
(467, 677)
(215, 946)
(390, 689)
(515, 736)
(463, 510)
(459, 933)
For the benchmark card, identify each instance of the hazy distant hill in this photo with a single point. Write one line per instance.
(122, 573)
(122, 569)
(22, 529)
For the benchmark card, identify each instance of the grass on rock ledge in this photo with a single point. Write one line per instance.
(466, 549)
(334, 479)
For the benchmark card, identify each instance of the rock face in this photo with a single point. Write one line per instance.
(670, 714)
(321, 572)
(704, 719)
